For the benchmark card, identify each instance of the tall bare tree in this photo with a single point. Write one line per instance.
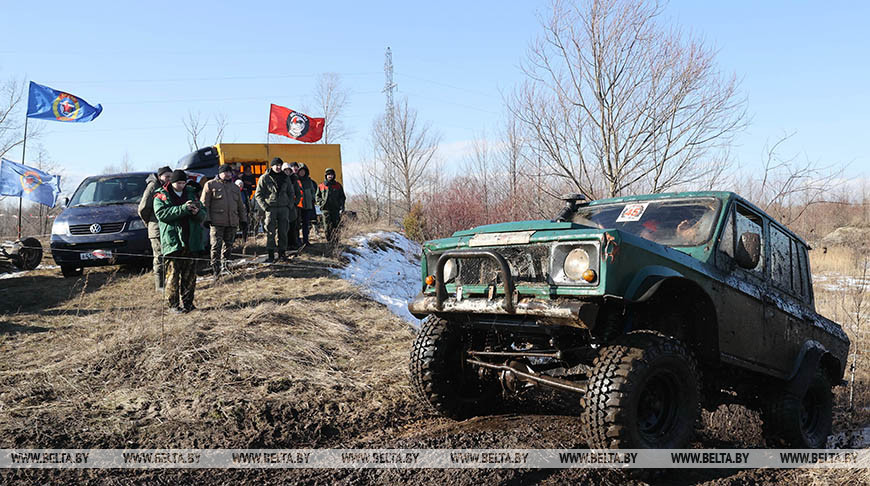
(614, 103)
(220, 121)
(332, 100)
(480, 167)
(195, 125)
(407, 148)
(13, 103)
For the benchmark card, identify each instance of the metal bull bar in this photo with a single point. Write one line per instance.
(506, 278)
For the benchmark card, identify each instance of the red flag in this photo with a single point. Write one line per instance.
(295, 124)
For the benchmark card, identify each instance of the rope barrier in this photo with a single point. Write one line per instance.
(165, 257)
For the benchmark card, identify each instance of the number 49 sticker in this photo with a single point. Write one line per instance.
(632, 212)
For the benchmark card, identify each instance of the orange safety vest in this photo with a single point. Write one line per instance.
(301, 192)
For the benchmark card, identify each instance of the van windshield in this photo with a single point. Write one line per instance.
(99, 191)
(669, 222)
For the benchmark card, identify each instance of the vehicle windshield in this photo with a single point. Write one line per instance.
(669, 222)
(98, 191)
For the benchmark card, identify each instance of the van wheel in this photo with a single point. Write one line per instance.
(70, 271)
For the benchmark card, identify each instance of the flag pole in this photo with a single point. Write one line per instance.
(23, 151)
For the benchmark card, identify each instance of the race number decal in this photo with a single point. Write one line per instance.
(631, 212)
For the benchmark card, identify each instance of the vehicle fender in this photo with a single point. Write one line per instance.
(647, 281)
(805, 366)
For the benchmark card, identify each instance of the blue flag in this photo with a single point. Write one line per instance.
(22, 181)
(50, 104)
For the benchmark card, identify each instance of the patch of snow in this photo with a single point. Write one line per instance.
(850, 439)
(389, 276)
(13, 274)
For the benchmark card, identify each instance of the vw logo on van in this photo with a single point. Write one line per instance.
(96, 228)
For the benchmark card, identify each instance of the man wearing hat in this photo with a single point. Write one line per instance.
(146, 212)
(330, 198)
(222, 201)
(180, 215)
(276, 196)
(293, 233)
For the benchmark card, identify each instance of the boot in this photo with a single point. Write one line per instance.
(271, 258)
(216, 270)
(281, 255)
(158, 280)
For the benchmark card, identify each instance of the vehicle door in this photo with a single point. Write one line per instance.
(739, 296)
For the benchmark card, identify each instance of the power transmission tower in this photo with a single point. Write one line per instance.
(389, 86)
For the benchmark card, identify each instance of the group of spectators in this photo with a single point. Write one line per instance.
(177, 212)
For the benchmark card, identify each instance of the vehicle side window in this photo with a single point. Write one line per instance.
(780, 259)
(805, 270)
(749, 222)
(797, 270)
(726, 242)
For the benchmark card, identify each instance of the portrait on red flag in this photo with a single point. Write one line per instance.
(295, 124)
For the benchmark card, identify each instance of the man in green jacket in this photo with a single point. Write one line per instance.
(180, 216)
(330, 198)
(276, 195)
(146, 212)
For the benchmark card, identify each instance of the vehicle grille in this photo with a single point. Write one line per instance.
(85, 229)
(528, 264)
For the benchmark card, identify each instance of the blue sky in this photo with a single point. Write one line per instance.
(803, 68)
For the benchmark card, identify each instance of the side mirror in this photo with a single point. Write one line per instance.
(66, 202)
(748, 250)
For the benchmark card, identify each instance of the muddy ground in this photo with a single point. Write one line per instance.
(275, 357)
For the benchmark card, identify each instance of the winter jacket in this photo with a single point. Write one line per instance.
(146, 206)
(309, 189)
(223, 201)
(277, 191)
(178, 227)
(330, 196)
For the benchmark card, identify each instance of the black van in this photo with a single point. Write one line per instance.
(101, 225)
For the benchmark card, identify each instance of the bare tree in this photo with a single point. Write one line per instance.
(616, 104)
(195, 125)
(479, 166)
(787, 186)
(220, 121)
(406, 149)
(13, 103)
(511, 154)
(125, 165)
(332, 100)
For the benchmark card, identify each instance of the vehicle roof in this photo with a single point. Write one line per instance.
(119, 174)
(725, 196)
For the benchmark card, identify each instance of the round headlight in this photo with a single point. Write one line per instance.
(450, 270)
(576, 263)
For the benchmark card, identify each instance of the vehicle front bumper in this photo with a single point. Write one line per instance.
(126, 247)
(580, 313)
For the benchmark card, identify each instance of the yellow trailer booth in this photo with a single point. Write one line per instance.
(255, 157)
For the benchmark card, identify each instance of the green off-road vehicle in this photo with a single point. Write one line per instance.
(647, 307)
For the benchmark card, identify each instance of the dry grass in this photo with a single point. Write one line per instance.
(838, 259)
(274, 356)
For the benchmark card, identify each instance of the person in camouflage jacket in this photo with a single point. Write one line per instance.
(330, 199)
(180, 216)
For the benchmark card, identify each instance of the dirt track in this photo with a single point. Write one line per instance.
(283, 358)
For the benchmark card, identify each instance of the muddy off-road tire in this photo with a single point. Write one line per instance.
(800, 422)
(442, 378)
(644, 393)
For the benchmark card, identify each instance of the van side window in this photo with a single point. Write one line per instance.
(749, 222)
